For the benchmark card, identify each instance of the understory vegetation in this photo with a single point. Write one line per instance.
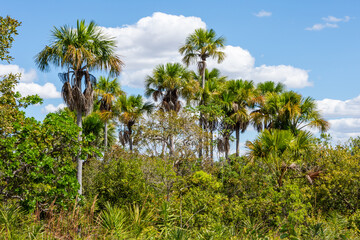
(113, 166)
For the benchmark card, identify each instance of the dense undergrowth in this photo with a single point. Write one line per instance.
(130, 196)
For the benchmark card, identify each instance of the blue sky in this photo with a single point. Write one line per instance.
(312, 46)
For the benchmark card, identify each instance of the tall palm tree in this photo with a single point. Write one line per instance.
(168, 83)
(79, 50)
(199, 46)
(132, 108)
(107, 91)
(226, 100)
(245, 97)
(210, 108)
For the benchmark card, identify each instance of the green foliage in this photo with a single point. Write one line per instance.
(8, 28)
(118, 179)
(37, 158)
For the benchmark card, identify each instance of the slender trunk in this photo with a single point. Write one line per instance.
(130, 139)
(130, 143)
(206, 128)
(171, 140)
(280, 180)
(78, 160)
(105, 134)
(200, 139)
(237, 130)
(211, 145)
(203, 67)
(202, 72)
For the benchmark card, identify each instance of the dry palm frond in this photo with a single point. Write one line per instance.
(313, 174)
(67, 95)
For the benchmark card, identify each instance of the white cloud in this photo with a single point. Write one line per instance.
(334, 19)
(240, 64)
(51, 108)
(151, 41)
(46, 91)
(320, 26)
(332, 108)
(156, 39)
(26, 76)
(342, 129)
(329, 22)
(263, 13)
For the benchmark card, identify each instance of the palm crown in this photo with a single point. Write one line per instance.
(79, 50)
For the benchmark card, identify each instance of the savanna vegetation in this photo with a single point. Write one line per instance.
(115, 166)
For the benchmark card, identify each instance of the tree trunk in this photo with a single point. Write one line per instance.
(237, 130)
(226, 154)
(202, 71)
(78, 160)
(171, 141)
(200, 139)
(130, 139)
(105, 134)
(211, 145)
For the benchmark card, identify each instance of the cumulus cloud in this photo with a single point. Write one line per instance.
(51, 108)
(240, 64)
(332, 108)
(156, 39)
(343, 116)
(263, 13)
(44, 91)
(151, 41)
(329, 22)
(26, 76)
(342, 129)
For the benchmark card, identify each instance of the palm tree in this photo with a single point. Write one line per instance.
(210, 108)
(168, 83)
(107, 90)
(226, 100)
(272, 145)
(132, 108)
(79, 50)
(288, 111)
(245, 97)
(270, 87)
(198, 47)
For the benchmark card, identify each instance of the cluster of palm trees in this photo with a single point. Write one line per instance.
(224, 106)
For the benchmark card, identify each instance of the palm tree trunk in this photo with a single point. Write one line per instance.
(171, 150)
(130, 139)
(200, 139)
(105, 134)
(78, 160)
(237, 130)
(226, 154)
(211, 145)
(203, 67)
